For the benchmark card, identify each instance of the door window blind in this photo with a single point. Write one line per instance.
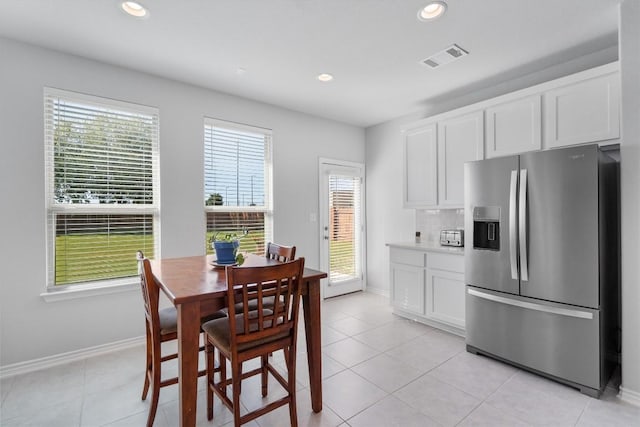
(102, 186)
(237, 187)
(344, 228)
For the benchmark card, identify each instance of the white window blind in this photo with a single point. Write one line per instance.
(102, 186)
(344, 228)
(237, 187)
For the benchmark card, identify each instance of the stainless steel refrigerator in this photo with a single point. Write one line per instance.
(542, 263)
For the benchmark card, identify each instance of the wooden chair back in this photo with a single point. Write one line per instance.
(150, 293)
(280, 253)
(251, 285)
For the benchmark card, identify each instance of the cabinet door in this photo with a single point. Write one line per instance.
(586, 111)
(460, 139)
(407, 288)
(514, 127)
(445, 297)
(420, 167)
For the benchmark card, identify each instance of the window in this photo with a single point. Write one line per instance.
(237, 183)
(102, 187)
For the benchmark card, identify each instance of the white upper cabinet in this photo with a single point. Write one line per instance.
(586, 111)
(579, 108)
(460, 139)
(420, 167)
(514, 127)
(434, 160)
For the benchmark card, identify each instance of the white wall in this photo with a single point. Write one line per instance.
(31, 328)
(630, 195)
(387, 221)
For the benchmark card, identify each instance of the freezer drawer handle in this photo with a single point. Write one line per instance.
(532, 306)
(513, 254)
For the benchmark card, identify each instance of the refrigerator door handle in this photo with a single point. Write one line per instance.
(531, 306)
(513, 254)
(522, 209)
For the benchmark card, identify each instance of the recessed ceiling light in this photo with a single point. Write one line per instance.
(134, 9)
(325, 77)
(432, 10)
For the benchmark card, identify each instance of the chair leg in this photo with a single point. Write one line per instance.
(236, 374)
(155, 383)
(148, 369)
(286, 357)
(264, 375)
(291, 380)
(210, 378)
(223, 373)
(293, 415)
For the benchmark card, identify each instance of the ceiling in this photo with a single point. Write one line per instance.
(372, 47)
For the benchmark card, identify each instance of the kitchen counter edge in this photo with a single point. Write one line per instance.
(428, 247)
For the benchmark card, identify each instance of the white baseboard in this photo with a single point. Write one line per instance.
(59, 359)
(629, 396)
(378, 291)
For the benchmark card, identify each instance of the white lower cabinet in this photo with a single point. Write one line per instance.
(428, 286)
(407, 292)
(445, 296)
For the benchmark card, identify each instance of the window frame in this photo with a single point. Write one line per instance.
(53, 291)
(267, 208)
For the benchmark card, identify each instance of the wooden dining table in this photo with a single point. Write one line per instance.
(197, 288)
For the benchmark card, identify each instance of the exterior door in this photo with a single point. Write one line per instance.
(562, 225)
(491, 224)
(342, 227)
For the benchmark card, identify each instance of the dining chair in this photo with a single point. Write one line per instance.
(161, 325)
(249, 334)
(279, 253)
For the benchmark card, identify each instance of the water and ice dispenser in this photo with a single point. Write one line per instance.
(486, 227)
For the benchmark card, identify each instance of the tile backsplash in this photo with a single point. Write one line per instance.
(429, 222)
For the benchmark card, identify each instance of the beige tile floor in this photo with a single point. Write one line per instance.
(378, 369)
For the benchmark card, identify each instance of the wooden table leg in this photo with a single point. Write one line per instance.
(188, 344)
(313, 331)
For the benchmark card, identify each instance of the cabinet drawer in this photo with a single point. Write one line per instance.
(408, 257)
(446, 262)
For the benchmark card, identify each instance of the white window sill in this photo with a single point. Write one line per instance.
(106, 287)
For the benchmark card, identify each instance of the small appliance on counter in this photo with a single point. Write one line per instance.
(452, 238)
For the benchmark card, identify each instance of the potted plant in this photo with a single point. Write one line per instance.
(226, 247)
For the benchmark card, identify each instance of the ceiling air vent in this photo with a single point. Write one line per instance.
(445, 56)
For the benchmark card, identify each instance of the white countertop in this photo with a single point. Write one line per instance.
(428, 246)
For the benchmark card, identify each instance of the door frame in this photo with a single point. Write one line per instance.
(323, 201)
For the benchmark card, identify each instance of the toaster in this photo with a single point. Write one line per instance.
(452, 238)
